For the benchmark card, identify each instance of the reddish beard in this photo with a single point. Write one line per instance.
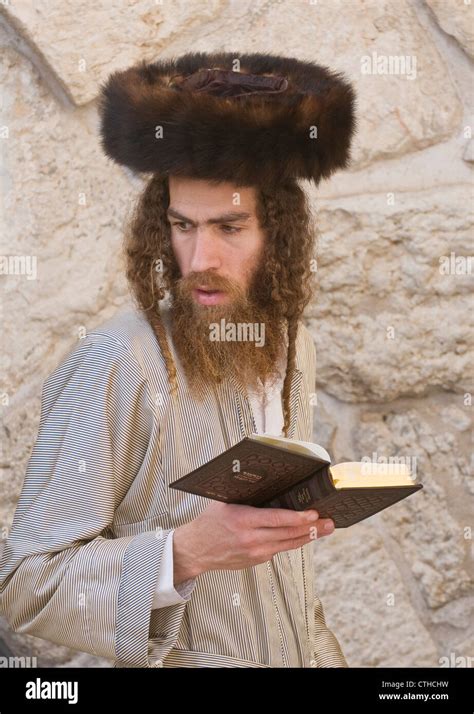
(207, 362)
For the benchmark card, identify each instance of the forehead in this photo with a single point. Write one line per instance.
(200, 199)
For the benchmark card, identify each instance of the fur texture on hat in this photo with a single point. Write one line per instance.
(296, 118)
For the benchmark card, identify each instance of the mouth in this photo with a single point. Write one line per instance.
(207, 296)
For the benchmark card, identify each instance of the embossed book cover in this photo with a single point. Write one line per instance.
(275, 472)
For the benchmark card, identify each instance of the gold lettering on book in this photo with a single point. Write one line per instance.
(303, 496)
(247, 476)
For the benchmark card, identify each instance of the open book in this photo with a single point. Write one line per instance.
(276, 472)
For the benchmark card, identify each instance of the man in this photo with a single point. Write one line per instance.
(103, 556)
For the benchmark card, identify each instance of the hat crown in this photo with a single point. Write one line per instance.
(229, 83)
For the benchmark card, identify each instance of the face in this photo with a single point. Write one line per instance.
(215, 237)
(219, 248)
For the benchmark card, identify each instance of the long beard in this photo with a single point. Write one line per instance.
(253, 347)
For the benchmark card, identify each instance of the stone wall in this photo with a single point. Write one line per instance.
(392, 325)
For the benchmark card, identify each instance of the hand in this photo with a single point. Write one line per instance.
(233, 537)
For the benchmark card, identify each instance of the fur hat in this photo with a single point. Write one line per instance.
(195, 116)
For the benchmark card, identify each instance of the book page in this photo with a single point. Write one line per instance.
(306, 448)
(359, 474)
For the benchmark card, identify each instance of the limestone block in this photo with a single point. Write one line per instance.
(389, 277)
(82, 42)
(367, 603)
(56, 186)
(456, 17)
(431, 527)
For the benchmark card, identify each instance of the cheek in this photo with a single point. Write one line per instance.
(179, 252)
(254, 257)
(242, 267)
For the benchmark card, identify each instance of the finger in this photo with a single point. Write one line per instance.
(297, 542)
(325, 526)
(314, 530)
(293, 543)
(281, 517)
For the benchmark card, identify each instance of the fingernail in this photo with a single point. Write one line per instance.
(329, 527)
(312, 515)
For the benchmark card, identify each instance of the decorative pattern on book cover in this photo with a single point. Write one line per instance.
(263, 475)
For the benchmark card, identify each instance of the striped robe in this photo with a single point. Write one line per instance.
(81, 562)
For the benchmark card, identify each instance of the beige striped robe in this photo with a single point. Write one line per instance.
(81, 561)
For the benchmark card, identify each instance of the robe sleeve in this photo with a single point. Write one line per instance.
(63, 576)
(327, 650)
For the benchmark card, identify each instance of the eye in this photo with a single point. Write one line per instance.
(231, 229)
(180, 224)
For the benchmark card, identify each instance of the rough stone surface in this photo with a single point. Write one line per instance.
(456, 17)
(366, 601)
(80, 43)
(393, 334)
(383, 303)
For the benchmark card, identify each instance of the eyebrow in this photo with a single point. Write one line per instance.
(225, 218)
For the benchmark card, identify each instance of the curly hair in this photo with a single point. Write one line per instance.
(283, 213)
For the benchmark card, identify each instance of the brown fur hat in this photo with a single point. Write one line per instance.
(196, 116)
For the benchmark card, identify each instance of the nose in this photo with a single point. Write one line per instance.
(205, 254)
